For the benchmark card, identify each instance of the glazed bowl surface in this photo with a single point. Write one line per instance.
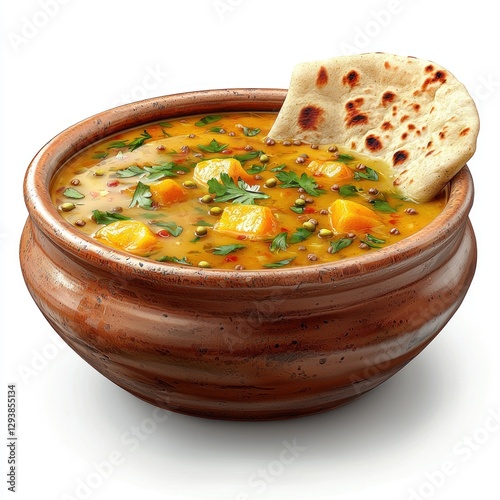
(242, 345)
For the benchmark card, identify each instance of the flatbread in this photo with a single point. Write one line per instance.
(412, 113)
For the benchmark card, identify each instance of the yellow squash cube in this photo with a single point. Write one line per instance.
(351, 217)
(250, 221)
(211, 169)
(129, 235)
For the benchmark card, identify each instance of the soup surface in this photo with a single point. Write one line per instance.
(213, 191)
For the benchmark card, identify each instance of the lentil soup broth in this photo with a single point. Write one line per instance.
(162, 191)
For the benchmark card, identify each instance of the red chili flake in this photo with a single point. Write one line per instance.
(309, 210)
(113, 183)
(241, 237)
(231, 258)
(226, 151)
(163, 233)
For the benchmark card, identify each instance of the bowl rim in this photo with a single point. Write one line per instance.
(392, 259)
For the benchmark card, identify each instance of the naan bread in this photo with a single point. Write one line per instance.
(411, 112)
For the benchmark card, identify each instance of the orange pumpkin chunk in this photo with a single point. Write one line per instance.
(251, 221)
(129, 235)
(166, 192)
(337, 172)
(348, 216)
(211, 169)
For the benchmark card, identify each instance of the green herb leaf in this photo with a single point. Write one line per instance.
(107, 217)
(73, 193)
(383, 206)
(167, 258)
(336, 246)
(251, 155)
(165, 124)
(163, 170)
(297, 210)
(226, 249)
(118, 145)
(139, 141)
(348, 190)
(141, 196)
(279, 242)
(213, 147)
(251, 132)
(281, 263)
(300, 235)
(256, 169)
(372, 241)
(131, 171)
(241, 193)
(292, 180)
(171, 227)
(217, 130)
(203, 223)
(278, 168)
(343, 158)
(207, 120)
(368, 174)
(99, 155)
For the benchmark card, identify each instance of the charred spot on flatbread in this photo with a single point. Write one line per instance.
(310, 117)
(322, 77)
(351, 79)
(373, 143)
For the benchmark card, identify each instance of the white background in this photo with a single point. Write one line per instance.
(432, 431)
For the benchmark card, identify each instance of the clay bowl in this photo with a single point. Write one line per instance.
(245, 345)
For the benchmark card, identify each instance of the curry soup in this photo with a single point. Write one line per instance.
(213, 191)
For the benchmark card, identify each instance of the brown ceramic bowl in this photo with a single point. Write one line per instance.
(247, 345)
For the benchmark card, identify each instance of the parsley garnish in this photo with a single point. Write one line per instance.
(383, 206)
(281, 263)
(164, 169)
(141, 196)
(167, 258)
(336, 246)
(241, 193)
(372, 241)
(300, 235)
(107, 217)
(138, 141)
(131, 171)
(171, 227)
(348, 190)
(368, 174)
(213, 147)
(292, 180)
(279, 242)
(251, 155)
(207, 120)
(226, 249)
(250, 132)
